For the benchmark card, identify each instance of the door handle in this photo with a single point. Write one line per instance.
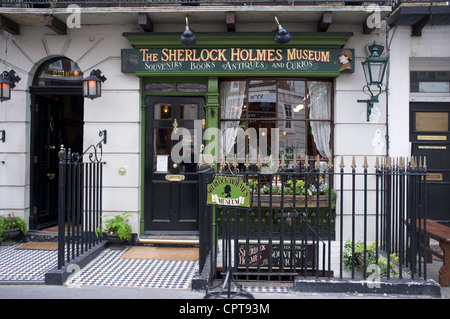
(51, 175)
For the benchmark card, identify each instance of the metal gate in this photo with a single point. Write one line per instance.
(349, 223)
(80, 200)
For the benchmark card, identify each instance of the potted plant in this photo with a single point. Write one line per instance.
(116, 228)
(370, 253)
(300, 191)
(11, 226)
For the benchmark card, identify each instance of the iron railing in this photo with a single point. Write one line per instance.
(125, 3)
(80, 201)
(362, 229)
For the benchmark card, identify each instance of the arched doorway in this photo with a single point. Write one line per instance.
(56, 118)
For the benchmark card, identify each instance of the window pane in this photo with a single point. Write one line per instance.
(291, 99)
(292, 141)
(262, 99)
(188, 111)
(59, 72)
(163, 111)
(191, 87)
(233, 100)
(430, 81)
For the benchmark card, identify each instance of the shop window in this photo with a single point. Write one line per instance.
(430, 81)
(298, 111)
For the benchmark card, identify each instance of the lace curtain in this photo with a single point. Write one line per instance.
(320, 109)
(232, 95)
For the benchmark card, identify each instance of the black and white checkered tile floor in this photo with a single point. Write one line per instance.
(25, 265)
(108, 269)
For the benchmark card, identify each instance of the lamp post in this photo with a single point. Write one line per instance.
(92, 85)
(8, 81)
(374, 68)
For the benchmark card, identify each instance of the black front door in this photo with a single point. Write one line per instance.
(56, 120)
(430, 137)
(171, 179)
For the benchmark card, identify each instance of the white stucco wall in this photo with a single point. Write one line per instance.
(117, 111)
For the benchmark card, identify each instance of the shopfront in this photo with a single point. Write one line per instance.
(196, 99)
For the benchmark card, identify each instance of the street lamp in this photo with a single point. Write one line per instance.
(187, 37)
(282, 36)
(374, 68)
(8, 81)
(92, 85)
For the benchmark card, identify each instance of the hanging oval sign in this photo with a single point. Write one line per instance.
(228, 191)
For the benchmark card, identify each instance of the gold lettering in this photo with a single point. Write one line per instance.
(270, 53)
(235, 54)
(165, 55)
(211, 55)
(188, 55)
(261, 55)
(325, 56)
(180, 57)
(291, 54)
(279, 55)
(204, 55)
(222, 55)
(144, 54)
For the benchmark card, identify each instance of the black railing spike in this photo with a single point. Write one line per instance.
(279, 222)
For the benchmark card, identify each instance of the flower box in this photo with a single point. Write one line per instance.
(288, 201)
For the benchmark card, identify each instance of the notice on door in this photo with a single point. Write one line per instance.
(162, 163)
(431, 121)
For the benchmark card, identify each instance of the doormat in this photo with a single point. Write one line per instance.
(43, 245)
(162, 253)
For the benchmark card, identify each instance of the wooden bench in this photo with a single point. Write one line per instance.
(441, 234)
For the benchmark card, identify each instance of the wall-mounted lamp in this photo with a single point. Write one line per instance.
(92, 85)
(374, 68)
(8, 81)
(188, 37)
(3, 136)
(282, 36)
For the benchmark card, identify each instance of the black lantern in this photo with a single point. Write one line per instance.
(8, 81)
(374, 68)
(188, 37)
(282, 36)
(92, 85)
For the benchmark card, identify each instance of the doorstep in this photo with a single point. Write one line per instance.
(162, 239)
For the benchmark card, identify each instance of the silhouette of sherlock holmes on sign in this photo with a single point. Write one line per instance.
(227, 191)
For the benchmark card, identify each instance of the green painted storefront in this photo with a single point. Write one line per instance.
(153, 49)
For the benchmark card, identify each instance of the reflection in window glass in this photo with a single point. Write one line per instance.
(159, 87)
(262, 99)
(300, 111)
(188, 111)
(430, 81)
(59, 72)
(163, 111)
(191, 87)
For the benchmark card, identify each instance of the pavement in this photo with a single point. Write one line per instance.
(108, 276)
